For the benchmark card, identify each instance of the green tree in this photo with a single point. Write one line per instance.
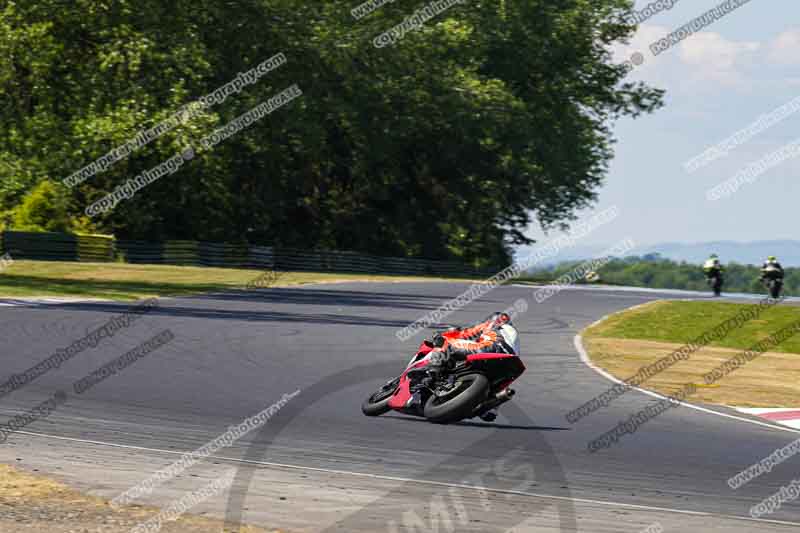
(43, 209)
(447, 144)
(666, 274)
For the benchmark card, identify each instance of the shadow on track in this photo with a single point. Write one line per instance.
(531, 454)
(216, 306)
(487, 425)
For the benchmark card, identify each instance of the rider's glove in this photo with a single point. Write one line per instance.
(438, 358)
(436, 365)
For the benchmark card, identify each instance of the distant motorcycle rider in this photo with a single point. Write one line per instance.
(713, 271)
(712, 266)
(771, 269)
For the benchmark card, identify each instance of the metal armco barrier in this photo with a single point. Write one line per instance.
(101, 248)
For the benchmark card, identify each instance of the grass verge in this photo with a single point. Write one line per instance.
(123, 281)
(30, 503)
(628, 341)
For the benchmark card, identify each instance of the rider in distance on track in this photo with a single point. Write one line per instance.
(771, 269)
(712, 266)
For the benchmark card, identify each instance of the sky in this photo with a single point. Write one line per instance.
(717, 81)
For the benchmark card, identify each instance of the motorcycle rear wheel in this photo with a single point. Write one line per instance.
(470, 391)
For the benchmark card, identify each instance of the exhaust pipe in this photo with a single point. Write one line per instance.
(505, 394)
(493, 403)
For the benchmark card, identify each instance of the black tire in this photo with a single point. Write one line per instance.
(716, 285)
(378, 402)
(775, 289)
(471, 392)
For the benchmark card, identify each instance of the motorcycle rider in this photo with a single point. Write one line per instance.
(712, 266)
(713, 271)
(496, 334)
(771, 269)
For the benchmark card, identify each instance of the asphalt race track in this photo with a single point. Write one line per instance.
(320, 465)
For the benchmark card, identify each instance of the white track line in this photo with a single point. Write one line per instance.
(578, 341)
(429, 483)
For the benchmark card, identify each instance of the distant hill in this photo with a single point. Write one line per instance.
(748, 253)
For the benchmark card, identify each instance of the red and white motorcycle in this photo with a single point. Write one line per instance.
(472, 387)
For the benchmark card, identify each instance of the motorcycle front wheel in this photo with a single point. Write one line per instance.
(775, 289)
(378, 403)
(716, 285)
(458, 402)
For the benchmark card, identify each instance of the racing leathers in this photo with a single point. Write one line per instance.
(771, 270)
(495, 335)
(712, 267)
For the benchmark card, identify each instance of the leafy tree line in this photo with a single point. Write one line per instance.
(655, 272)
(446, 145)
